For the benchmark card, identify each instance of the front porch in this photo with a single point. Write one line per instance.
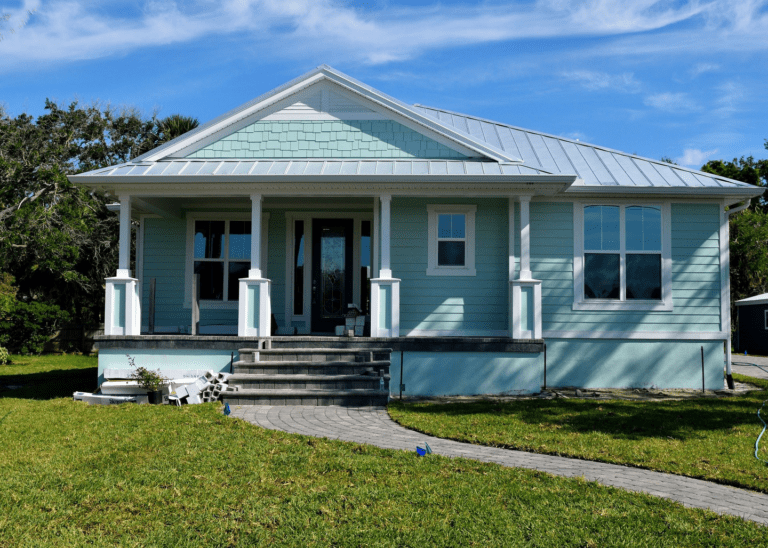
(270, 265)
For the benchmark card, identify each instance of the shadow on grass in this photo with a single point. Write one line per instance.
(59, 383)
(629, 420)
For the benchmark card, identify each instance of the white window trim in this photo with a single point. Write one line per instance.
(433, 269)
(765, 312)
(580, 303)
(190, 254)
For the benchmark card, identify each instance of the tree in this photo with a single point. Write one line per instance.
(57, 240)
(746, 170)
(174, 126)
(748, 229)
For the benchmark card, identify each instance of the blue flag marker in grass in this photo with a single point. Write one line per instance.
(227, 410)
(420, 451)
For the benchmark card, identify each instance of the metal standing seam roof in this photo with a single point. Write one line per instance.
(757, 299)
(594, 165)
(337, 168)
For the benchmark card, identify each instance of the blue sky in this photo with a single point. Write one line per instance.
(682, 79)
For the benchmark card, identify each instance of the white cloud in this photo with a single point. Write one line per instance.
(693, 157)
(671, 102)
(594, 81)
(701, 68)
(66, 30)
(730, 98)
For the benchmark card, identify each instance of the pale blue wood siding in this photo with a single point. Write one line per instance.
(326, 139)
(695, 273)
(164, 259)
(451, 303)
(164, 256)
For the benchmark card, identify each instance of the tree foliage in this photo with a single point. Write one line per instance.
(59, 241)
(749, 229)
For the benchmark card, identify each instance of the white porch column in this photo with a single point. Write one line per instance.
(124, 258)
(385, 290)
(254, 318)
(386, 237)
(525, 238)
(525, 292)
(122, 304)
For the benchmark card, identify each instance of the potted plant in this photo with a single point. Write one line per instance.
(149, 380)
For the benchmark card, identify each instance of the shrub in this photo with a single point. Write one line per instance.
(5, 356)
(25, 327)
(148, 379)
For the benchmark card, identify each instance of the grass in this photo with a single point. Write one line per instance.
(711, 439)
(133, 475)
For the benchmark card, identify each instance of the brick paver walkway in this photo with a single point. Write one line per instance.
(374, 426)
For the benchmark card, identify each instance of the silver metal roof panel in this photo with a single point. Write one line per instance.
(314, 168)
(403, 168)
(385, 168)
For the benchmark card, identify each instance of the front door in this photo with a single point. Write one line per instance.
(331, 272)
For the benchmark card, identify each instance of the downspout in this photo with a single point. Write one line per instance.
(728, 372)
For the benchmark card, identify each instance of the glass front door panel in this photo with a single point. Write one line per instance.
(332, 271)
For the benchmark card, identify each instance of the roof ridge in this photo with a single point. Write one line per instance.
(575, 141)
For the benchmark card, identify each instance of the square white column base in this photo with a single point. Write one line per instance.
(520, 327)
(254, 308)
(122, 306)
(385, 307)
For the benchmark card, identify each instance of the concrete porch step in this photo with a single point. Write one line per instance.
(311, 382)
(296, 367)
(355, 397)
(313, 354)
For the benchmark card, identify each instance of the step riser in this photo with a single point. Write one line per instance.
(361, 369)
(321, 367)
(373, 384)
(314, 357)
(347, 401)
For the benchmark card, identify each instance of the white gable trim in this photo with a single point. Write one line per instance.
(280, 110)
(358, 90)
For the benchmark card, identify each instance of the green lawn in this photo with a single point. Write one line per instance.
(711, 439)
(135, 475)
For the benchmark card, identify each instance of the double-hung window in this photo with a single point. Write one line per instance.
(451, 245)
(222, 255)
(622, 258)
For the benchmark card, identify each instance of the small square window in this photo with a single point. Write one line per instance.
(451, 234)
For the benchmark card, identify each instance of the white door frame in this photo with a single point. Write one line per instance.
(307, 216)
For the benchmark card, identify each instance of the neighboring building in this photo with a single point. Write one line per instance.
(470, 245)
(752, 325)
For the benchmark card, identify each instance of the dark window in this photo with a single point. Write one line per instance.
(450, 253)
(298, 268)
(211, 280)
(602, 279)
(643, 276)
(236, 271)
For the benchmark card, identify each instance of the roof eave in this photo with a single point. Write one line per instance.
(737, 194)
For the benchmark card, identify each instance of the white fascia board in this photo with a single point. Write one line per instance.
(408, 112)
(353, 86)
(138, 184)
(313, 78)
(735, 194)
(328, 186)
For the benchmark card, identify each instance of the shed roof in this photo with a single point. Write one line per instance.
(757, 299)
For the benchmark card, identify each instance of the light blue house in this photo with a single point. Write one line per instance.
(470, 245)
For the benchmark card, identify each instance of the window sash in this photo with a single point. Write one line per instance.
(622, 252)
(224, 260)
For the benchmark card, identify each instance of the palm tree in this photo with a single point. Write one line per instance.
(173, 126)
